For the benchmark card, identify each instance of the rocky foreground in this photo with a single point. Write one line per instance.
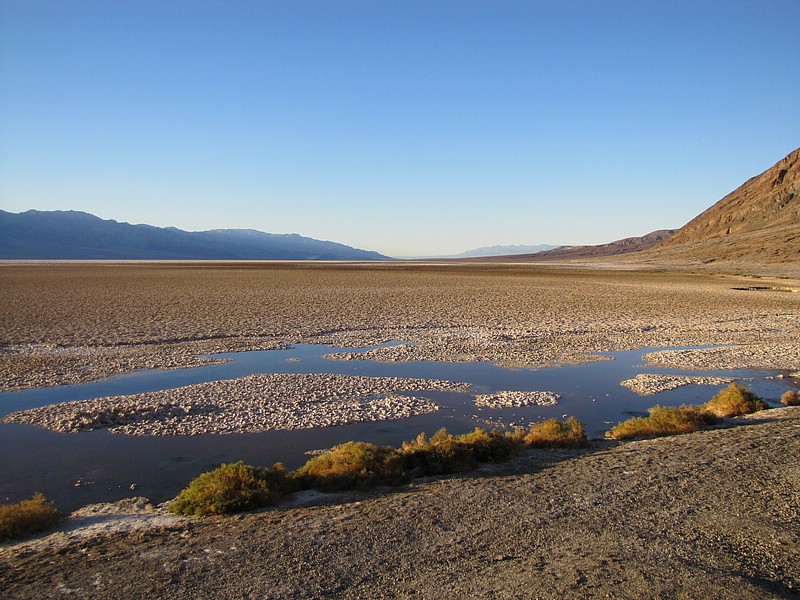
(714, 514)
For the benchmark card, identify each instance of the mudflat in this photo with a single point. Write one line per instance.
(74, 322)
(710, 514)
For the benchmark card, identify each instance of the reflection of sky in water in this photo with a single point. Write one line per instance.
(32, 459)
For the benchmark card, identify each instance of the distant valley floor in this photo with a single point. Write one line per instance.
(73, 323)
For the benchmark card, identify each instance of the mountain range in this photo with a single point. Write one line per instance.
(756, 225)
(488, 251)
(62, 235)
(625, 246)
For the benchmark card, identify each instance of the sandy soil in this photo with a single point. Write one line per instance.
(713, 514)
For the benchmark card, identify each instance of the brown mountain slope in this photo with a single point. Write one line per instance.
(757, 226)
(758, 223)
(617, 248)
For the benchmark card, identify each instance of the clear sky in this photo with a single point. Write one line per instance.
(407, 127)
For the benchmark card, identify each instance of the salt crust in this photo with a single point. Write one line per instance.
(647, 384)
(248, 404)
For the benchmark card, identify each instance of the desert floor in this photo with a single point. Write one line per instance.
(707, 514)
(70, 323)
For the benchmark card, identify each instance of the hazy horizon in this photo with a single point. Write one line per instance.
(410, 129)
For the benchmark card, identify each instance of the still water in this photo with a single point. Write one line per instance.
(109, 465)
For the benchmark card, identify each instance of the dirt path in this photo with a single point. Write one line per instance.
(711, 514)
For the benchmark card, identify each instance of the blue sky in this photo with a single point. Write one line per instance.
(410, 128)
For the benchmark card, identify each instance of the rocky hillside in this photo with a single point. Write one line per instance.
(759, 222)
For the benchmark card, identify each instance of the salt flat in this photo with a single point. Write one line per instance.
(712, 513)
(78, 322)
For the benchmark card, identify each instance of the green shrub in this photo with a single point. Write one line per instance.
(353, 465)
(663, 420)
(27, 517)
(552, 433)
(232, 488)
(791, 398)
(733, 401)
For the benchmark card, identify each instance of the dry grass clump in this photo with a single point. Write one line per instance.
(353, 465)
(663, 420)
(359, 465)
(733, 401)
(488, 446)
(791, 398)
(439, 455)
(552, 433)
(445, 453)
(232, 488)
(27, 517)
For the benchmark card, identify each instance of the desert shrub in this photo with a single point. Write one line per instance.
(663, 420)
(733, 401)
(353, 465)
(232, 488)
(440, 455)
(488, 446)
(791, 398)
(358, 465)
(552, 433)
(27, 517)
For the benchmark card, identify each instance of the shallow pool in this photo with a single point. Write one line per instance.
(80, 468)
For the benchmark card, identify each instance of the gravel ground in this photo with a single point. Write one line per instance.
(714, 514)
(759, 356)
(508, 399)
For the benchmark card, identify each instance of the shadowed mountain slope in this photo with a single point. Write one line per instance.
(62, 235)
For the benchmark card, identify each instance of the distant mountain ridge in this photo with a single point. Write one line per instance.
(486, 251)
(619, 247)
(756, 226)
(64, 235)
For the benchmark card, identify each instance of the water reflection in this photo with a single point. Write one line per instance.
(108, 465)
